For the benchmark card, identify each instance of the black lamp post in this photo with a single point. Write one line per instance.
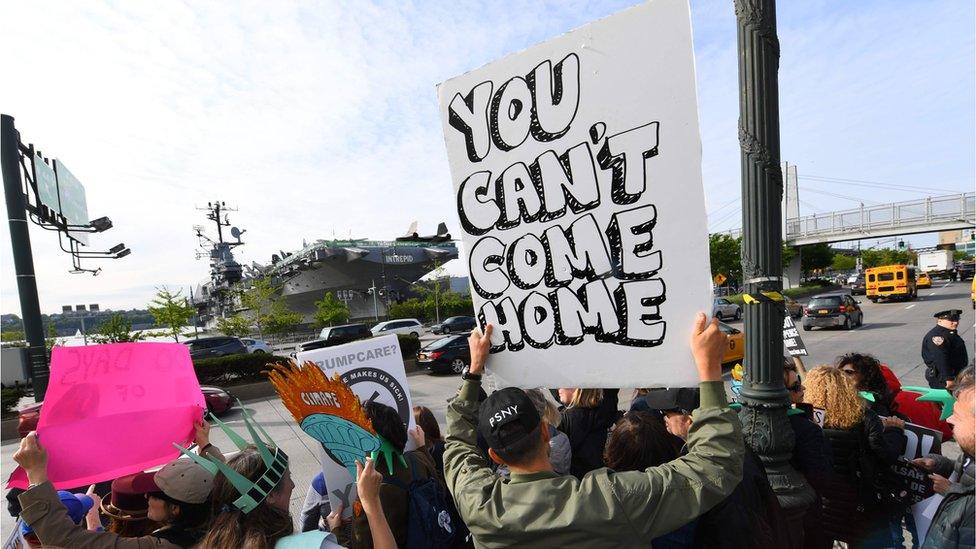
(765, 400)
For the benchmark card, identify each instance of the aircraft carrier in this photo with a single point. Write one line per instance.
(367, 275)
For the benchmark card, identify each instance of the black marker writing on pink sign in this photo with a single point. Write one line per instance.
(584, 276)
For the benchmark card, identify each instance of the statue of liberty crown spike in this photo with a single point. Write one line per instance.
(252, 493)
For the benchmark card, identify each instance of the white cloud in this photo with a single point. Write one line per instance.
(317, 118)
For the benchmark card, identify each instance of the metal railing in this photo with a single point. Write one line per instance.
(864, 220)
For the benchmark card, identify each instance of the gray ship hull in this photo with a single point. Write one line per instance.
(354, 270)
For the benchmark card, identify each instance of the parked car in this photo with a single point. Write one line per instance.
(218, 402)
(455, 324)
(256, 345)
(447, 354)
(403, 326)
(830, 310)
(793, 307)
(923, 281)
(737, 348)
(336, 335)
(723, 308)
(212, 347)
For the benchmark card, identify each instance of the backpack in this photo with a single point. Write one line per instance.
(430, 520)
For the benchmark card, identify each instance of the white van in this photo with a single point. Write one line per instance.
(405, 326)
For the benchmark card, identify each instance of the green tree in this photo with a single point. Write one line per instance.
(960, 255)
(117, 329)
(725, 253)
(51, 341)
(815, 257)
(271, 315)
(12, 336)
(885, 256)
(433, 289)
(236, 326)
(789, 252)
(329, 311)
(843, 262)
(171, 311)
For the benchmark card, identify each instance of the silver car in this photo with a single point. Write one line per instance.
(723, 309)
(256, 345)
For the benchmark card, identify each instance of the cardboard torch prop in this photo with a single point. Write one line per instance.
(329, 411)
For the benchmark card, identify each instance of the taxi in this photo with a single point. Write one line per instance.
(736, 348)
(923, 281)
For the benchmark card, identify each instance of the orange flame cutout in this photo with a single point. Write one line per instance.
(306, 390)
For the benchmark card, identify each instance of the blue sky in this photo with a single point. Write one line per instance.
(318, 119)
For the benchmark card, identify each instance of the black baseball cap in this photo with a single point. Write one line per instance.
(506, 417)
(682, 399)
(951, 314)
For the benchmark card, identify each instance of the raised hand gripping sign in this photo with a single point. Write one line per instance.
(577, 177)
(113, 410)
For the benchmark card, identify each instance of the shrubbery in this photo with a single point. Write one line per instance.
(409, 345)
(240, 369)
(234, 369)
(9, 397)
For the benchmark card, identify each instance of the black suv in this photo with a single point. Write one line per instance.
(336, 335)
(832, 310)
(211, 347)
(455, 324)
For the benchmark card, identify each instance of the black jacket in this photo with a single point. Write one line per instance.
(750, 517)
(850, 507)
(811, 454)
(587, 429)
(944, 354)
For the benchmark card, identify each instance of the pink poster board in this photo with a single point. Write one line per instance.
(114, 410)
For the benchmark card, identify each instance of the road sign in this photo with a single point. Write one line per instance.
(719, 279)
(73, 205)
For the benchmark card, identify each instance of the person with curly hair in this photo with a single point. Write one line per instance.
(866, 372)
(859, 451)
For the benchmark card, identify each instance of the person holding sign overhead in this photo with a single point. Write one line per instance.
(178, 497)
(539, 508)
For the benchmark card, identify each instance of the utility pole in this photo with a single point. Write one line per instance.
(765, 400)
(376, 313)
(30, 308)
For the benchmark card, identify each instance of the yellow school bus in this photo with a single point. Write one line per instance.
(890, 282)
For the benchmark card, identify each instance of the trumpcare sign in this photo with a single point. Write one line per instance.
(576, 167)
(373, 370)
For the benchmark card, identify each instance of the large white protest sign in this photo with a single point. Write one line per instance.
(373, 370)
(576, 167)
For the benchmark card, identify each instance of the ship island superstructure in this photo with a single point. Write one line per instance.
(367, 275)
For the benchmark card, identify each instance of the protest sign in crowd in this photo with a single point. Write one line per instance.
(576, 171)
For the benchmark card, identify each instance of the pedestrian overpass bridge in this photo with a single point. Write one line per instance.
(927, 215)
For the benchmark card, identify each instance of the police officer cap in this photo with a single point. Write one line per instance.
(951, 314)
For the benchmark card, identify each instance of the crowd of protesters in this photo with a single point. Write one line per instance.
(523, 468)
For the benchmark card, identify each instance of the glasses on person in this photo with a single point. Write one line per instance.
(797, 387)
(848, 371)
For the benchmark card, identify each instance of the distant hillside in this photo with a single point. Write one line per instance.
(68, 325)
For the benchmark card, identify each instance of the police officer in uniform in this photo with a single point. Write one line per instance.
(943, 351)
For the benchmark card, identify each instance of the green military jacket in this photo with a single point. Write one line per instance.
(605, 508)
